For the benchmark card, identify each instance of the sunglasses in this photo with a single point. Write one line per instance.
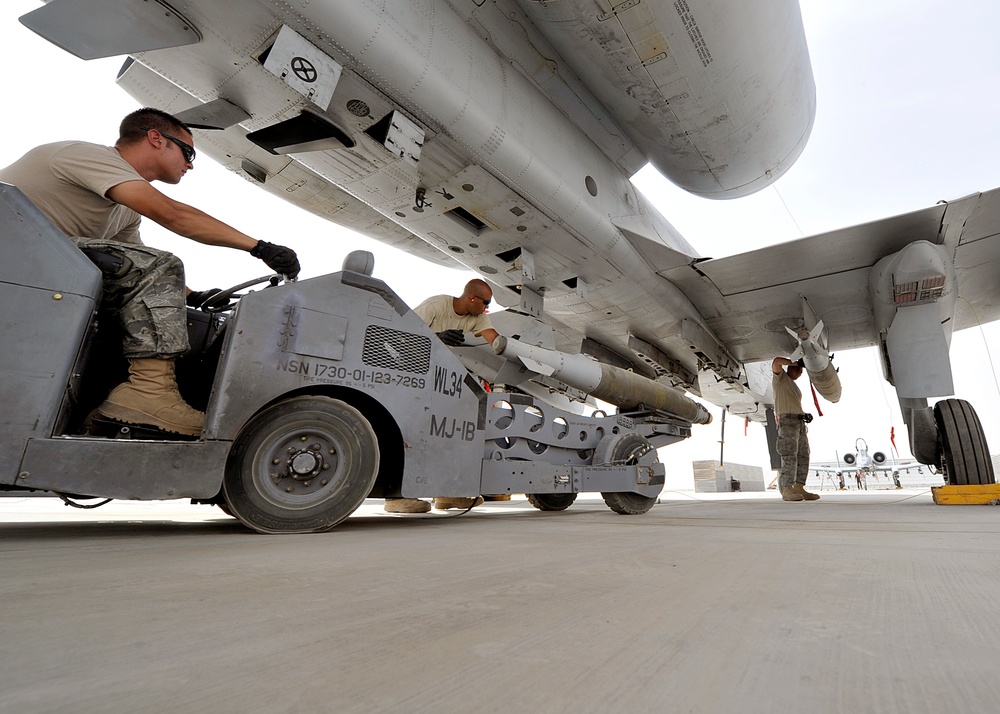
(186, 149)
(486, 303)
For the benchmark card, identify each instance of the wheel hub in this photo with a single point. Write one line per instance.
(302, 459)
(305, 464)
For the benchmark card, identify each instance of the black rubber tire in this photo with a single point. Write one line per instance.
(627, 503)
(628, 449)
(551, 501)
(327, 456)
(965, 455)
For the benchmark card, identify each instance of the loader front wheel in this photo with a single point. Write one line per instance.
(301, 466)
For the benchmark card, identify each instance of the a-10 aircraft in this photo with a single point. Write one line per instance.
(500, 135)
(862, 465)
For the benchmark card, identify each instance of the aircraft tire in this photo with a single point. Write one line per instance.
(965, 455)
(551, 501)
(301, 466)
(627, 449)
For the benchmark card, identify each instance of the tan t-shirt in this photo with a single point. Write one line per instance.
(787, 396)
(68, 182)
(439, 314)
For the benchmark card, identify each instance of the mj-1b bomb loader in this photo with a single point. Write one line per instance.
(318, 394)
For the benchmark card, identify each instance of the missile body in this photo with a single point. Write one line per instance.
(821, 371)
(614, 385)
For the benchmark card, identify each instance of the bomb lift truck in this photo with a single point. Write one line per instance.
(318, 394)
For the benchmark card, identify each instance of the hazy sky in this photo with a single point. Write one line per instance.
(907, 107)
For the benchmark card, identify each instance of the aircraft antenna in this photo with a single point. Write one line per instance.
(787, 210)
(986, 343)
(881, 384)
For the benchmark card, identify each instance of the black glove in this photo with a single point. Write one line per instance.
(452, 338)
(197, 298)
(277, 257)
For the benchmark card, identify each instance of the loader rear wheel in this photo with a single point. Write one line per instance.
(551, 501)
(626, 450)
(628, 504)
(965, 455)
(301, 466)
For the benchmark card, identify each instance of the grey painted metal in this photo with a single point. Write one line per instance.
(914, 295)
(539, 477)
(533, 115)
(771, 432)
(538, 154)
(105, 28)
(344, 335)
(690, 90)
(545, 187)
(349, 336)
(532, 447)
(47, 260)
(124, 468)
(48, 292)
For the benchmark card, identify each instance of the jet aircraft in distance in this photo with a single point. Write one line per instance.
(860, 465)
(500, 135)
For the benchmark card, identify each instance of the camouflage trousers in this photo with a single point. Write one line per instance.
(793, 447)
(148, 299)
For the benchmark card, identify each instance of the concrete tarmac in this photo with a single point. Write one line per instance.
(875, 601)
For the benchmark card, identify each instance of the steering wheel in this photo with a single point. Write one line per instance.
(220, 302)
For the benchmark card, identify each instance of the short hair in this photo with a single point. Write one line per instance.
(800, 363)
(475, 287)
(134, 127)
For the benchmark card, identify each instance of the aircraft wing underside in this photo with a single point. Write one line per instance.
(746, 300)
(282, 176)
(500, 136)
(749, 299)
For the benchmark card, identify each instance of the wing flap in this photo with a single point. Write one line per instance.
(977, 259)
(105, 28)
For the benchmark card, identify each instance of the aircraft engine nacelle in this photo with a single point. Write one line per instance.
(863, 459)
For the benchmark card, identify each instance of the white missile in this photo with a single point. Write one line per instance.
(809, 349)
(821, 371)
(614, 385)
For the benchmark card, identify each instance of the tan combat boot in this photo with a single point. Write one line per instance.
(801, 490)
(406, 505)
(790, 494)
(443, 504)
(150, 397)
